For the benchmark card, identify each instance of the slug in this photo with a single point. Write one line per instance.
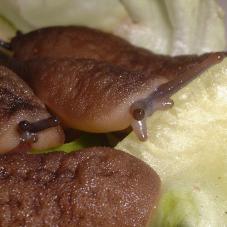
(23, 117)
(96, 96)
(91, 187)
(149, 79)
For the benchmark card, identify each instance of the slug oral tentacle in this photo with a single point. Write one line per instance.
(28, 137)
(140, 129)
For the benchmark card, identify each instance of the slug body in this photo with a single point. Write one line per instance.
(86, 94)
(95, 96)
(20, 108)
(93, 187)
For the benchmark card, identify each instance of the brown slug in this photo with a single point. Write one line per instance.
(96, 96)
(96, 186)
(23, 117)
(123, 84)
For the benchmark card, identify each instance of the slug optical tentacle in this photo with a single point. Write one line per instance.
(29, 130)
(39, 125)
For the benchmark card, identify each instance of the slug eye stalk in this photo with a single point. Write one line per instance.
(29, 130)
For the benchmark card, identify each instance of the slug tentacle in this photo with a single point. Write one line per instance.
(140, 129)
(28, 137)
(29, 130)
(38, 125)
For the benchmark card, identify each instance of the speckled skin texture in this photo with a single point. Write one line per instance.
(91, 79)
(16, 96)
(88, 95)
(96, 96)
(17, 103)
(91, 187)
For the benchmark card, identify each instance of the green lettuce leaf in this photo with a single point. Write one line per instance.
(177, 209)
(85, 140)
(187, 146)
